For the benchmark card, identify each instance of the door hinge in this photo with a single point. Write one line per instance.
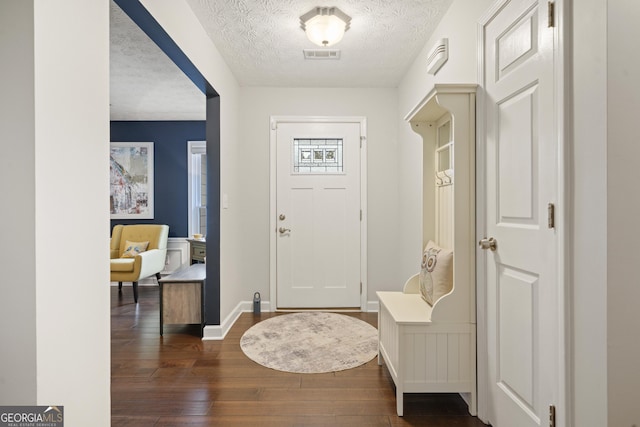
(551, 215)
(360, 214)
(362, 139)
(551, 14)
(552, 416)
(360, 288)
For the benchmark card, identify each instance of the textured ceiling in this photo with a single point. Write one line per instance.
(262, 43)
(144, 83)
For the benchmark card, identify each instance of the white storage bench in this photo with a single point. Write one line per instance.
(431, 347)
(421, 355)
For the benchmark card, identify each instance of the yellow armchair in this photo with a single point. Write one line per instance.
(140, 265)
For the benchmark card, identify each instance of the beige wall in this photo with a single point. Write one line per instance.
(17, 186)
(379, 106)
(588, 296)
(589, 197)
(623, 213)
(72, 192)
(72, 298)
(605, 176)
(459, 25)
(245, 224)
(55, 134)
(177, 18)
(71, 105)
(55, 310)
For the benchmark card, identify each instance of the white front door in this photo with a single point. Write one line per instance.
(318, 215)
(521, 181)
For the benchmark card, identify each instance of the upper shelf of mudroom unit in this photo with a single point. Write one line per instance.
(432, 106)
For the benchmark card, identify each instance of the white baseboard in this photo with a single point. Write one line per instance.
(218, 332)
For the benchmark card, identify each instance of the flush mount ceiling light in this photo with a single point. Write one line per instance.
(325, 26)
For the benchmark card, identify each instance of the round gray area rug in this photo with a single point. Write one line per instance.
(311, 342)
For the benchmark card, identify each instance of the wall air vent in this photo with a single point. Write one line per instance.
(321, 53)
(438, 56)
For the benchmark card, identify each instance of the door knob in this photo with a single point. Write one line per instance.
(489, 243)
(283, 230)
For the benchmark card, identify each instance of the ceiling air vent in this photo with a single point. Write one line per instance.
(438, 56)
(321, 53)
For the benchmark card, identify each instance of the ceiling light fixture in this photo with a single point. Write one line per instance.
(325, 26)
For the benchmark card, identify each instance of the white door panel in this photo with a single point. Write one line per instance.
(521, 167)
(318, 199)
(516, 148)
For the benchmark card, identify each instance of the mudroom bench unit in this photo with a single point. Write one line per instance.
(423, 356)
(427, 331)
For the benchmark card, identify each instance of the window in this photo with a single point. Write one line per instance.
(197, 171)
(317, 155)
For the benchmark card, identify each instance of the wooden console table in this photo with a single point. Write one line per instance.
(182, 297)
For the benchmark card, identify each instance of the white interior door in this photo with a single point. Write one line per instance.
(521, 180)
(318, 215)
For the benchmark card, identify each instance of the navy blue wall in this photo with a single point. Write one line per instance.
(170, 167)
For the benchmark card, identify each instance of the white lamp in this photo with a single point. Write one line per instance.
(325, 26)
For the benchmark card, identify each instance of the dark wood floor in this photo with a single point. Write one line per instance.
(180, 380)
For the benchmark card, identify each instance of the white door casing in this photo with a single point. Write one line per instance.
(316, 222)
(521, 172)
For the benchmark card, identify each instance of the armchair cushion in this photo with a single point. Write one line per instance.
(122, 265)
(134, 248)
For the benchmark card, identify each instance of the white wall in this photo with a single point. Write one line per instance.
(72, 192)
(54, 174)
(178, 20)
(623, 213)
(379, 106)
(459, 25)
(589, 182)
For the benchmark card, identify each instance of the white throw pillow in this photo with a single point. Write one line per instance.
(436, 273)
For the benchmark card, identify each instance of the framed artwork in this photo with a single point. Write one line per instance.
(131, 180)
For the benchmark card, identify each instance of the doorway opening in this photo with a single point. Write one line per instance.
(318, 215)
